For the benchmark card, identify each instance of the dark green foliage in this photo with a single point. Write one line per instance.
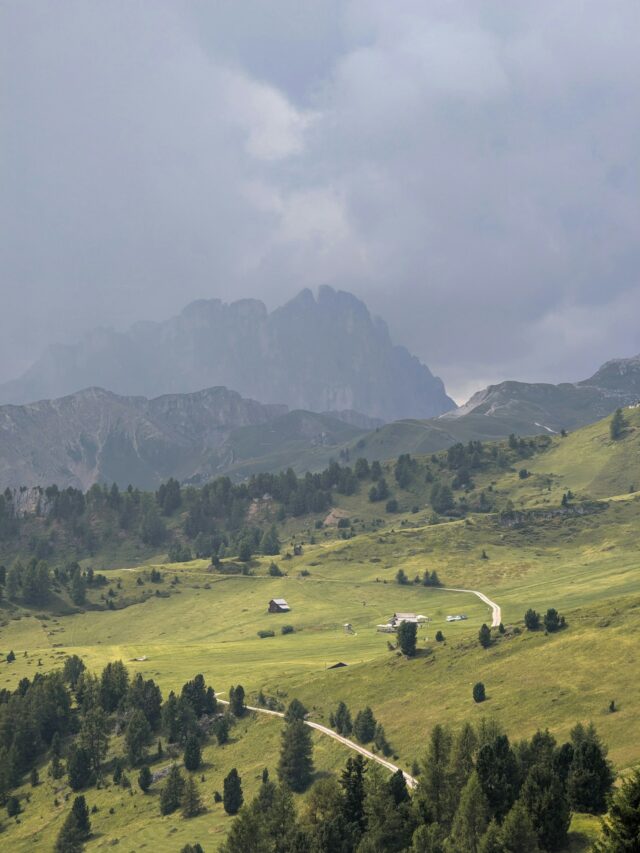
(618, 425)
(11, 656)
(169, 497)
(171, 793)
(484, 636)
(287, 629)
(236, 700)
(75, 830)
(621, 829)
(295, 768)
(391, 505)
(380, 740)
(137, 737)
(192, 753)
(439, 637)
(361, 468)
(340, 720)
(232, 798)
(270, 543)
(404, 470)
(265, 633)
(407, 637)
(532, 620)
(13, 806)
(498, 774)
(380, 491)
(518, 834)
(94, 737)
(364, 727)
(401, 577)
(545, 800)
(179, 553)
(352, 782)
(191, 801)
(144, 779)
(73, 669)
(441, 498)
(192, 848)
(590, 776)
(79, 768)
(553, 621)
(479, 694)
(114, 683)
(222, 730)
(201, 698)
(295, 711)
(275, 571)
(146, 696)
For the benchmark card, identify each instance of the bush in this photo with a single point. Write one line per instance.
(553, 621)
(344, 522)
(392, 505)
(287, 629)
(275, 571)
(401, 577)
(13, 806)
(439, 637)
(484, 636)
(264, 634)
(479, 694)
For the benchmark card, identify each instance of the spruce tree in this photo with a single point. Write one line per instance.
(617, 425)
(171, 793)
(137, 737)
(471, 817)
(352, 782)
(407, 636)
(364, 727)
(144, 779)
(191, 801)
(590, 775)
(192, 753)
(518, 834)
(484, 636)
(621, 827)
(75, 829)
(434, 785)
(236, 700)
(296, 756)
(232, 798)
(341, 720)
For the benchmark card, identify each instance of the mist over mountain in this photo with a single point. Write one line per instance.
(320, 354)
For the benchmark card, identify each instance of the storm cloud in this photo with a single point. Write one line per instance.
(472, 170)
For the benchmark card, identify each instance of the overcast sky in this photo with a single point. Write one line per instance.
(470, 169)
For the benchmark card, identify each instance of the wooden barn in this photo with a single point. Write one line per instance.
(278, 605)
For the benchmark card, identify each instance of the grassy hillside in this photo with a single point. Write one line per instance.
(530, 551)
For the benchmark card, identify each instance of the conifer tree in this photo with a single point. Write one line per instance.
(296, 756)
(144, 779)
(518, 834)
(171, 794)
(192, 753)
(621, 827)
(232, 798)
(364, 727)
(471, 817)
(191, 801)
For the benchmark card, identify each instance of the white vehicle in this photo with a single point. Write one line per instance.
(459, 617)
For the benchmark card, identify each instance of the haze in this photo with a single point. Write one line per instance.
(470, 170)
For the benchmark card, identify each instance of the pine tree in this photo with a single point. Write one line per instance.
(171, 794)
(352, 782)
(191, 801)
(398, 788)
(434, 786)
(232, 798)
(137, 737)
(236, 700)
(75, 829)
(518, 834)
(479, 694)
(78, 767)
(192, 753)
(484, 636)
(590, 776)
(296, 756)
(470, 821)
(407, 636)
(364, 727)
(144, 779)
(498, 774)
(341, 720)
(617, 425)
(621, 827)
(295, 711)
(94, 737)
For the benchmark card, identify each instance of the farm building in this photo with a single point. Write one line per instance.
(391, 626)
(278, 605)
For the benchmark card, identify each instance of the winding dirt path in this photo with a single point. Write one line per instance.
(411, 782)
(496, 611)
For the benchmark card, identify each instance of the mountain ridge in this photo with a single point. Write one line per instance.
(319, 354)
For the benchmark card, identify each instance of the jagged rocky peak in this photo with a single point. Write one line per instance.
(321, 353)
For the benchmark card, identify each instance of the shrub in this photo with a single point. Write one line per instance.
(344, 522)
(401, 577)
(287, 629)
(275, 571)
(553, 621)
(479, 694)
(484, 636)
(264, 634)
(391, 505)
(439, 637)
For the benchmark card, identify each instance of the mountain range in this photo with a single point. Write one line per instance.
(98, 436)
(319, 354)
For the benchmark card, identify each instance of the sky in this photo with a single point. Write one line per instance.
(470, 169)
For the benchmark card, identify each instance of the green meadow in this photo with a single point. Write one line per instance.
(585, 565)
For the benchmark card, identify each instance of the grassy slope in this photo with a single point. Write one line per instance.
(587, 567)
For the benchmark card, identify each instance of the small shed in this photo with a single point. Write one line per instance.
(278, 605)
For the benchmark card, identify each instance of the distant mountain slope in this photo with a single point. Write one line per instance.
(318, 354)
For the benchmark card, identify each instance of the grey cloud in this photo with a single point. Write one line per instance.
(471, 170)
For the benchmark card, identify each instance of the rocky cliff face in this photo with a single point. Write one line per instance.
(96, 436)
(320, 354)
